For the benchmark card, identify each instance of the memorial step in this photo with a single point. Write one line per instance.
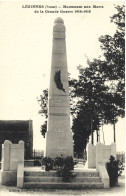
(54, 173)
(50, 180)
(59, 179)
(40, 173)
(87, 173)
(62, 185)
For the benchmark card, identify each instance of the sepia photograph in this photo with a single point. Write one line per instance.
(62, 103)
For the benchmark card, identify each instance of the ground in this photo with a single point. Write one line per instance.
(115, 191)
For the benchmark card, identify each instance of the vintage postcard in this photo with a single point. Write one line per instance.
(62, 101)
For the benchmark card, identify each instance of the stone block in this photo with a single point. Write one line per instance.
(103, 152)
(99, 152)
(12, 154)
(16, 155)
(6, 155)
(57, 35)
(91, 156)
(20, 175)
(55, 110)
(59, 144)
(103, 174)
(8, 177)
(58, 61)
(59, 46)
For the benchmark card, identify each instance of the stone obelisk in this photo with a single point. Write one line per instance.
(59, 136)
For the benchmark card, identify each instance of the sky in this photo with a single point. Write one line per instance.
(25, 56)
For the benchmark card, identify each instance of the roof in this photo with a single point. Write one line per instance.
(14, 125)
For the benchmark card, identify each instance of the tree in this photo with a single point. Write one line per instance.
(114, 53)
(90, 90)
(43, 100)
(94, 86)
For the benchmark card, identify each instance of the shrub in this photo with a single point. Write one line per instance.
(114, 169)
(48, 162)
(63, 166)
(37, 163)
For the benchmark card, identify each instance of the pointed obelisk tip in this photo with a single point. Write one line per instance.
(58, 27)
(59, 20)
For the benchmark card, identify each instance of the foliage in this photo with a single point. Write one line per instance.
(113, 48)
(48, 162)
(37, 163)
(90, 90)
(114, 168)
(44, 128)
(43, 101)
(97, 102)
(62, 165)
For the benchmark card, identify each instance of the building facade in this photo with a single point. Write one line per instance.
(16, 130)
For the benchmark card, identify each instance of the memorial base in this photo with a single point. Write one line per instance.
(8, 177)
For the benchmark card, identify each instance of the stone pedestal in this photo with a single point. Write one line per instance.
(59, 136)
(103, 152)
(12, 155)
(91, 156)
(100, 154)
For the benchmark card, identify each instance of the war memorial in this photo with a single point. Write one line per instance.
(59, 140)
